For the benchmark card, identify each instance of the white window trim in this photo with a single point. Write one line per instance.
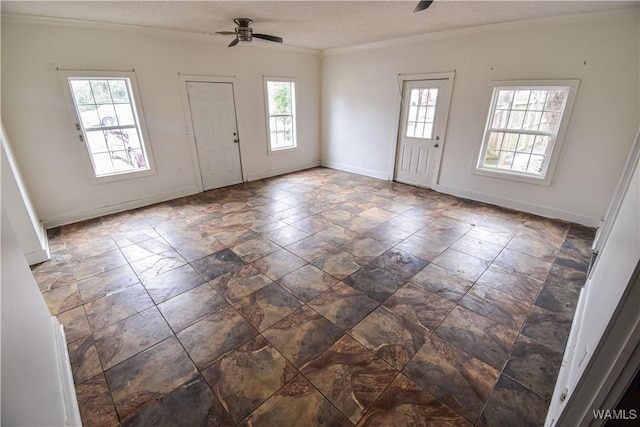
(293, 80)
(556, 149)
(64, 76)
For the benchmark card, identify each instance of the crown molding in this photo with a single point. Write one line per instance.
(171, 34)
(627, 12)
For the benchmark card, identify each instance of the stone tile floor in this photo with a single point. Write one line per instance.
(316, 298)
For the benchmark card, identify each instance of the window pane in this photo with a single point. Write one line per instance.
(510, 141)
(102, 164)
(101, 91)
(505, 159)
(520, 162)
(555, 100)
(124, 114)
(119, 91)
(516, 118)
(500, 119)
(550, 121)
(537, 100)
(107, 115)
(281, 114)
(521, 100)
(491, 159)
(421, 114)
(532, 120)
(504, 99)
(540, 145)
(495, 140)
(82, 92)
(525, 143)
(96, 141)
(279, 97)
(535, 165)
(89, 116)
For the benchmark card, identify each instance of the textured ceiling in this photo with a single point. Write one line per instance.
(309, 24)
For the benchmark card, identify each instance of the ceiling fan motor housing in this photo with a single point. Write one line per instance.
(243, 31)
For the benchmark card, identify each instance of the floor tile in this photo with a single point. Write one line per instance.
(128, 337)
(467, 266)
(75, 324)
(350, 376)
(310, 248)
(401, 263)
(286, 235)
(312, 224)
(454, 377)
(267, 306)
(302, 336)
(191, 306)
(307, 282)
(233, 235)
(191, 404)
(144, 249)
(528, 245)
(405, 403)
(85, 362)
(248, 376)
(533, 267)
(239, 283)
(96, 406)
(558, 299)
(425, 248)
(376, 282)
(97, 264)
(107, 282)
(489, 235)
(254, 249)
(477, 248)
(62, 297)
(214, 336)
(172, 283)
(107, 310)
(510, 401)
(200, 248)
(497, 306)
(534, 365)
(547, 327)
(278, 264)
(148, 376)
(296, 404)
(217, 264)
(154, 265)
(343, 305)
(482, 338)
(519, 285)
(339, 264)
(442, 282)
(336, 235)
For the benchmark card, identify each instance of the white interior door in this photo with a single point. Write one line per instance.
(425, 104)
(213, 117)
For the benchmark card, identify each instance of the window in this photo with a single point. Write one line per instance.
(524, 130)
(422, 112)
(108, 122)
(281, 113)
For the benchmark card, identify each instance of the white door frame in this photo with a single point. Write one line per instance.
(402, 78)
(184, 78)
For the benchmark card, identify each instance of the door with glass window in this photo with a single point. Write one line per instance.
(213, 117)
(422, 123)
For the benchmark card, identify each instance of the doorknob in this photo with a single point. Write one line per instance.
(436, 145)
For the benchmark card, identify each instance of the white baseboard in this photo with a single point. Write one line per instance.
(43, 254)
(72, 410)
(354, 169)
(281, 171)
(119, 207)
(518, 205)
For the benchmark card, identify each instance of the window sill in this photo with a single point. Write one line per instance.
(122, 176)
(281, 150)
(510, 176)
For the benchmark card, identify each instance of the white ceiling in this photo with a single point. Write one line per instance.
(309, 24)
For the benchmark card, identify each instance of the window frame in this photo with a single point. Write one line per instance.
(294, 113)
(65, 77)
(553, 151)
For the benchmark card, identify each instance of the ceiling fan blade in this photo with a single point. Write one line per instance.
(226, 33)
(268, 37)
(233, 42)
(422, 6)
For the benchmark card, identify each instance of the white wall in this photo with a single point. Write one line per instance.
(30, 232)
(46, 145)
(37, 388)
(604, 292)
(361, 97)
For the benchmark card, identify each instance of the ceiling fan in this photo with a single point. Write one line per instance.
(244, 33)
(422, 5)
